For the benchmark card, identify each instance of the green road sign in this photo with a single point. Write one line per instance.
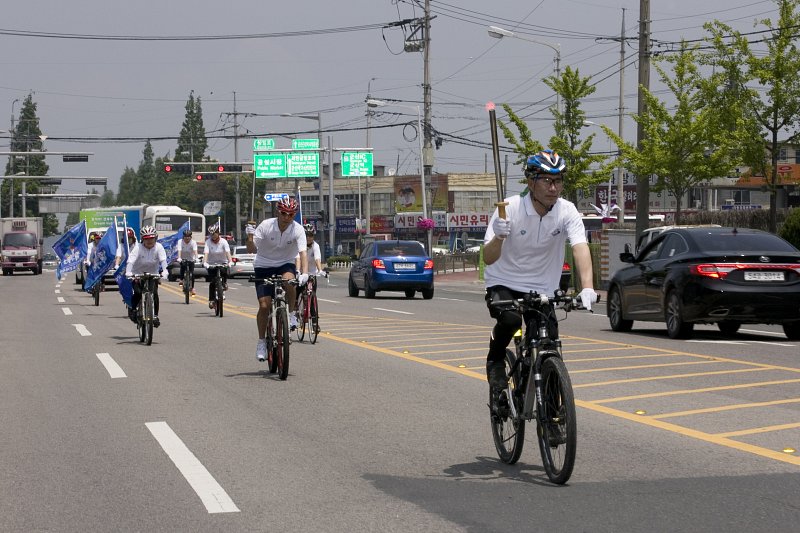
(269, 165)
(305, 144)
(302, 164)
(357, 164)
(263, 144)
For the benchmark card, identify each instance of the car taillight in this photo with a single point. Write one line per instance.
(378, 263)
(234, 259)
(721, 270)
(428, 264)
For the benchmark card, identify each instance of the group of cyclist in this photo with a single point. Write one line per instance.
(530, 238)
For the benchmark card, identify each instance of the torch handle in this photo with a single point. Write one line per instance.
(501, 209)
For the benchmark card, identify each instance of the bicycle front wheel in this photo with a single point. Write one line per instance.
(302, 312)
(220, 297)
(148, 318)
(271, 357)
(282, 342)
(313, 319)
(508, 431)
(557, 427)
(187, 287)
(96, 294)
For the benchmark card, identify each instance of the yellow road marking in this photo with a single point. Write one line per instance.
(659, 378)
(753, 431)
(618, 357)
(726, 408)
(638, 367)
(693, 391)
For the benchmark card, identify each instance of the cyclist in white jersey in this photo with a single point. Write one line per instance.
(187, 254)
(276, 242)
(148, 257)
(313, 254)
(525, 252)
(217, 257)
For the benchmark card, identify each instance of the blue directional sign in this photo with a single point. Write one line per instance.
(274, 197)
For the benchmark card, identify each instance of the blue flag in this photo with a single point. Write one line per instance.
(125, 285)
(71, 248)
(104, 253)
(298, 217)
(170, 243)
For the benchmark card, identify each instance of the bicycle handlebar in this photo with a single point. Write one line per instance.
(534, 300)
(273, 280)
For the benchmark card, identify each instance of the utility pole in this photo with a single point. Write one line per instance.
(427, 149)
(643, 182)
(620, 168)
(368, 206)
(236, 158)
(331, 198)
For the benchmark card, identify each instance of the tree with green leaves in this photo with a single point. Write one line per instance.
(569, 121)
(685, 144)
(774, 104)
(192, 142)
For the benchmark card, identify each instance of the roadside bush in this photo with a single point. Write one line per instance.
(791, 228)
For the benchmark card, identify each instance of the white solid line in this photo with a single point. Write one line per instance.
(769, 343)
(761, 332)
(60, 299)
(114, 370)
(67, 310)
(716, 342)
(58, 291)
(451, 299)
(82, 330)
(211, 493)
(392, 311)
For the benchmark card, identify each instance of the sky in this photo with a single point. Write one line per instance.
(106, 94)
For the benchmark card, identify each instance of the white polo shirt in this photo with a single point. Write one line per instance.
(275, 248)
(533, 254)
(146, 260)
(217, 253)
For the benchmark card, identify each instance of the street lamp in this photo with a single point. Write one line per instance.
(371, 102)
(499, 33)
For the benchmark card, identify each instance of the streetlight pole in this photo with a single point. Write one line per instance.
(13, 158)
(368, 206)
(499, 33)
(380, 103)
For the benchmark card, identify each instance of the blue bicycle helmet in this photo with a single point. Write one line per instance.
(544, 162)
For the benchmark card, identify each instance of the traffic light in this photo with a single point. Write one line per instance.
(74, 158)
(204, 177)
(224, 167)
(177, 168)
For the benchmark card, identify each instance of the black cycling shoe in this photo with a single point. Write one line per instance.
(496, 374)
(132, 315)
(156, 322)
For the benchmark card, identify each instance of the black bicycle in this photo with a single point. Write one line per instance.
(278, 340)
(188, 280)
(145, 311)
(217, 290)
(308, 310)
(539, 387)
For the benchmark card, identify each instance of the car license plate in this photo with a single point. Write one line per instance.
(763, 276)
(405, 266)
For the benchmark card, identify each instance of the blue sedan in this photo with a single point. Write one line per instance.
(392, 266)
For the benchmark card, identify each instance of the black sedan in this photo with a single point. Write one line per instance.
(392, 266)
(723, 276)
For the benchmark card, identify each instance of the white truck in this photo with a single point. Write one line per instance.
(21, 243)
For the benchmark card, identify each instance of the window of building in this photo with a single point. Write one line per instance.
(782, 155)
(347, 204)
(473, 201)
(741, 197)
(382, 204)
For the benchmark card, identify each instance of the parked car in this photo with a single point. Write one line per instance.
(392, 266)
(242, 262)
(650, 234)
(708, 275)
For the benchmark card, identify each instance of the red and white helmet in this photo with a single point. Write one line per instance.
(287, 205)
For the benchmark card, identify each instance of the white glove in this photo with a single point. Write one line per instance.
(230, 265)
(588, 297)
(501, 227)
(324, 273)
(164, 275)
(302, 279)
(250, 229)
(205, 265)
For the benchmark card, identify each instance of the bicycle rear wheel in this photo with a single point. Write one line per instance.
(302, 312)
(313, 320)
(96, 293)
(282, 342)
(271, 358)
(220, 297)
(557, 428)
(508, 431)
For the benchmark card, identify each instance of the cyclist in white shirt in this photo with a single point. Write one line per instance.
(525, 252)
(217, 257)
(276, 242)
(187, 254)
(148, 257)
(313, 254)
